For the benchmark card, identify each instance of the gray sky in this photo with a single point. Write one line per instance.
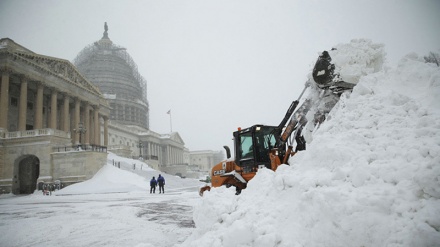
(219, 65)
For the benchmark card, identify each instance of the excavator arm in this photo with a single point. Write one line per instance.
(296, 118)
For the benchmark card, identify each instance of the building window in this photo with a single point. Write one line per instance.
(30, 105)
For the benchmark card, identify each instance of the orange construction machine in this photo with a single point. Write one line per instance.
(257, 147)
(262, 146)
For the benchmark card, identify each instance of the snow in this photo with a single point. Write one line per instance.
(109, 96)
(369, 177)
(111, 179)
(114, 208)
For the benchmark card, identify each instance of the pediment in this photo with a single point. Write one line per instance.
(55, 66)
(60, 67)
(176, 137)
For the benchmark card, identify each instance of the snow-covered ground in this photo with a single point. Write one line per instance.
(370, 177)
(114, 208)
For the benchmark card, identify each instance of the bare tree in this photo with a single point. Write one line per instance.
(433, 58)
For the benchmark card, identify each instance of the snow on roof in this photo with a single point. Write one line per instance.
(109, 96)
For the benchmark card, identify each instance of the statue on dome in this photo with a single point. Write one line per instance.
(105, 30)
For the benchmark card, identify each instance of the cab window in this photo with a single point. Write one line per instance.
(246, 146)
(265, 142)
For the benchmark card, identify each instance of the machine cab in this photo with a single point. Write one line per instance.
(252, 147)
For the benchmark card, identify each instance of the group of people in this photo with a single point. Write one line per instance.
(48, 188)
(153, 183)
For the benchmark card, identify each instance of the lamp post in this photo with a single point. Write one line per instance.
(81, 130)
(140, 146)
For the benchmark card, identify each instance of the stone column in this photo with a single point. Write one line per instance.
(172, 155)
(167, 162)
(76, 121)
(65, 117)
(53, 109)
(4, 101)
(92, 126)
(38, 123)
(87, 123)
(23, 105)
(97, 130)
(106, 131)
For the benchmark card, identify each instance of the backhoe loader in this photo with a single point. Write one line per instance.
(262, 146)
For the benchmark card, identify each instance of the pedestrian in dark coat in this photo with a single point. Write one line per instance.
(153, 184)
(161, 182)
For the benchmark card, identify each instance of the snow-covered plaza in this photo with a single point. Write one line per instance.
(115, 208)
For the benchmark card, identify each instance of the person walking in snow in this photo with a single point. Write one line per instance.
(45, 189)
(153, 184)
(161, 182)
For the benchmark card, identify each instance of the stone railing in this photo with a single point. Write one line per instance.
(37, 132)
(151, 157)
(120, 146)
(78, 148)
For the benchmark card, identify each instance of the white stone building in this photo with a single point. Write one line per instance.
(204, 160)
(58, 120)
(46, 106)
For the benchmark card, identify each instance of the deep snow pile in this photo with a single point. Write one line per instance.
(133, 175)
(352, 61)
(369, 178)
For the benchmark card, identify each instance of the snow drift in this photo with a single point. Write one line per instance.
(130, 176)
(369, 178)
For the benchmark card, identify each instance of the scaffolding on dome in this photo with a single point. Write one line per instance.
(86, 53)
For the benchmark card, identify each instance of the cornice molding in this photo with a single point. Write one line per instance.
(59, 68)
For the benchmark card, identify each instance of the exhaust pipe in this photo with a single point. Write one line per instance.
(228, 152)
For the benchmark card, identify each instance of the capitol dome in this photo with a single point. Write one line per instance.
(112, 69)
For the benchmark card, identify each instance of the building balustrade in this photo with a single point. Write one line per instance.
(151, 157)
(37, 132)
(76, 148)
(114, 147)
(146, 157)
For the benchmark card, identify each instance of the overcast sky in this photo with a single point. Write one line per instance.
(219, 65)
